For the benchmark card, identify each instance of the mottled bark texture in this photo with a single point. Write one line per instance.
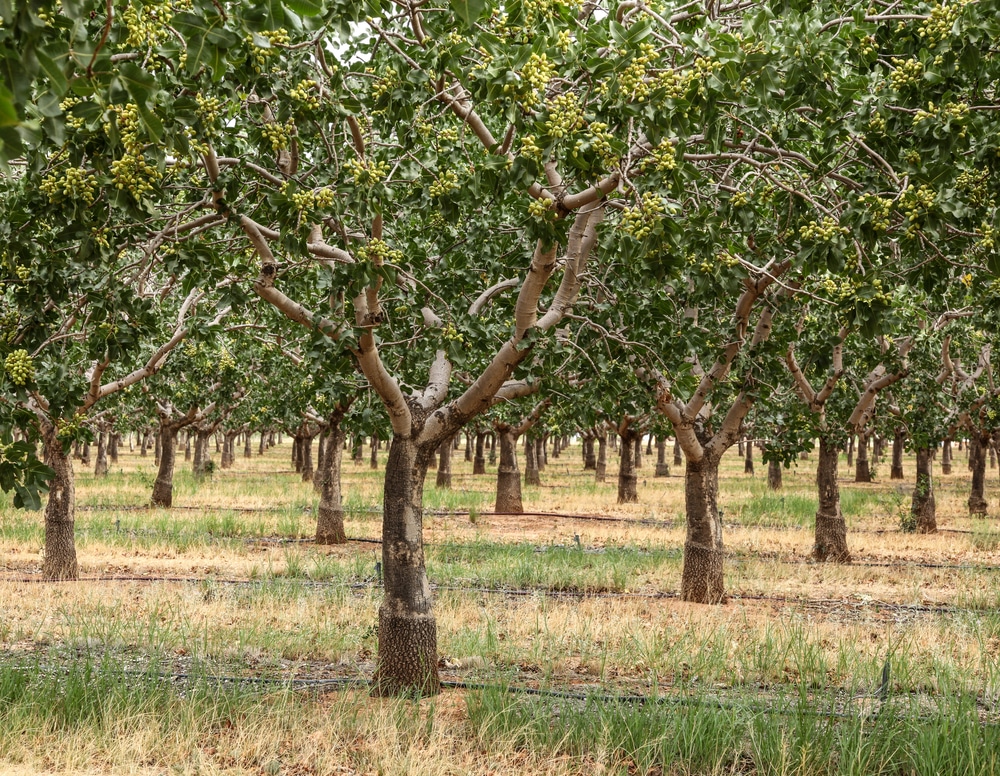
(774, 475)
(662, 468)
(748, 458)
(531, 473)
(101, 461)
(923, 507)
(305, 454)
(978, 444)
(627, 491)
(637, 453)
(163, 487)
(247, 445)
(508, 500)
(946, 457)
(678, 456)
(862, 471)
(479, 460)
(330, 517)
(601, 467)
(589, 456)
(373, 456)
(831, 528)
(898, 437)
(444, 464)
(60, 511)
(114, 440)
(407, 630)
(702, 577)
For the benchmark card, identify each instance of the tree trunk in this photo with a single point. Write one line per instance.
(702, 577)
(443, 479)
(896, 472)
(978, 444)
(60, 512)
(993, 455)
(407, 631)
(85, 454)
(228, 449)
(114, 439)
(541, 456)
(748, 458)
(330, 519)
(101, 463)
(468, 446)
(247, 444)
(531, 473)
(163, 487)
(601, 467)
(493, 449)
(850, 451)
(157, 448)
(774, 475)
(508, 501)
(199, 465)
(662, 469)
(946, 457)
(373, 457)
(297, 453)
(678, 457)
(305, 453)
(627, 478)
(479, 461)
(831, 528)
(637, 454)
(144, 445)
(187, 446)
(589, 457)
(862, 472)
(322, 451)
(923, 507)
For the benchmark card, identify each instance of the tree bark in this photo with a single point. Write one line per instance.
(443, 479)
(200, 464)
(541, 454)
(60, 511)
(479, 460)
(850, 451)
(228, 449)
(407, 631)
(101, 462)
(114, 439)
(493, 449)
(831, 528)
(923, 507)
(305, 454)
(702, 576)
(373, 457)
(531, 473)
(601, 467)
(662, 468)
(946, 457)
(637, 454)
(468, 446)
(774, 475)
(898, 436)
(144, 445)
(508, 500)
(978, 444)
(85, 454)
(748, 458)
(678, 457)
(862, 471)
(589, 456)
(330, 518)
(187, 446)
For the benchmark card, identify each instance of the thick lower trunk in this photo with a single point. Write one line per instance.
(831, 529)
(702, 578)
(923, 507)
(748, 458)
(305, 453)
(774, 475)
(247, 445)
(850, 451)
(101, 462)
(85, 454)
(407, 632)
(114, 439)
(468, 446)
(862, 472)
(637, 453)
(228, 450)
(541, 456)
(443, 479)
(479, 460)
(627, 478)
(662, 468)
(896, 471)
(330, 518)
(978, 445)
(373, 457)
(144, 445)
(589, 456)
(493, 449)
(322, 451)
(601, 467)
(262, 445)
(508, 501)
(163, 487)
(678, 457)
(531, 473)
(946, 457)
(200, 464)
(60, 546)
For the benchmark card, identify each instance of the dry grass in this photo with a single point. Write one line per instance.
(287, 626)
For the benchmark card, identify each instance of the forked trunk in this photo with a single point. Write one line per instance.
(978, 444)
(531, 473)
(479, 461)
(101, 462)
(163, 487)
(923, 507)
(748, 458)
(601, 467)
(946, 457)
(627, 478)
(60, 546)
(702, 578)
(862, 471)
(508, 500)
(443, 479)
(774, 475)
(896, 472)
(831, 529)
(662, 469)
(330, 520)
(407, 631)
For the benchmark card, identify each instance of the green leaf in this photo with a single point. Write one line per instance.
(306, 7)
(468, 11)
(141, 86)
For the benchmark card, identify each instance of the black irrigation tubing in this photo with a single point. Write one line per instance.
(189, 508)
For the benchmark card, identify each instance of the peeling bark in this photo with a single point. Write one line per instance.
(508, 496)
(702, 577)
(60, 511)
(831, 528)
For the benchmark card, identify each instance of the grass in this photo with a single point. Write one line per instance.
(757, 675)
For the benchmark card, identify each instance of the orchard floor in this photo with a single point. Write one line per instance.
(216, 638)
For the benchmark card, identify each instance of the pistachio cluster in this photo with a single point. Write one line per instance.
(279, 135)
(565, 115)
(638, 222)
(74, 183)
(880, 209)
(132, 171)
(908, 72)
(260, 54)
(377, 251)
(311, 199)
(825, 230)
(940, 24)
(537, 72)
(445, 183)
(19, 367)
(366, 172)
